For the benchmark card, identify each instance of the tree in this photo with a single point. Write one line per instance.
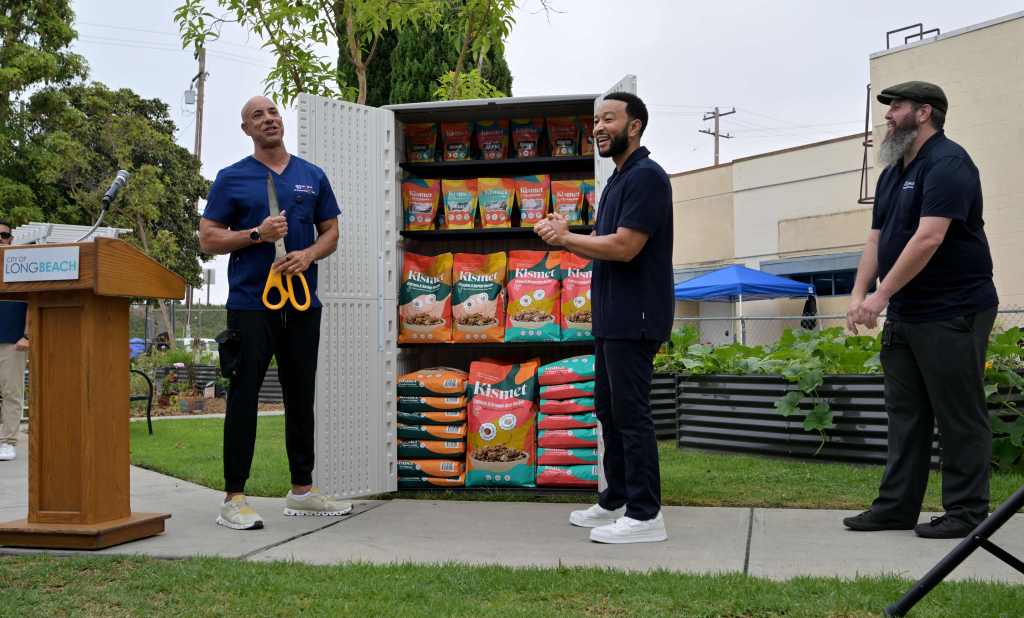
(82, 134)
(35, 35)
(294, 31)
(422, 55)
(480, 25)
(378, 72)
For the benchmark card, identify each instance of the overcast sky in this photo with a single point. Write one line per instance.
(795, 71)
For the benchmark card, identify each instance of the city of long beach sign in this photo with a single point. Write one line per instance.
(40, 264)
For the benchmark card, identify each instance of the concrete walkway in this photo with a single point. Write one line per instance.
(772, 543)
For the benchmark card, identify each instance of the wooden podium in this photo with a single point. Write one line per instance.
(78, 477)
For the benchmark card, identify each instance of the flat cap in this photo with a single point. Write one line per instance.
(919, 92)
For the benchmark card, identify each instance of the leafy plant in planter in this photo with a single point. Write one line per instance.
(1003, 380)
(805, 357)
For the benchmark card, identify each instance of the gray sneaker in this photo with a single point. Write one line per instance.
(238, 515)
(7, 453)
(315, 504)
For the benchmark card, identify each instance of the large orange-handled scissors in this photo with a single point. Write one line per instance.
(276, 280)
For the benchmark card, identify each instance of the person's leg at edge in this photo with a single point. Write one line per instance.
(614, 495)
(12, 392)
(256, 330)
(630, 367)
(297, 353)
(910, 431)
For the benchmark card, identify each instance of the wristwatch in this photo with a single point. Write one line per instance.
(254, 234)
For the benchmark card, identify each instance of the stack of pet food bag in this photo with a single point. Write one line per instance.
(464, 298)
(502, 424)
(567, 136)
(567, 424)
(432, 428)
(467, 204)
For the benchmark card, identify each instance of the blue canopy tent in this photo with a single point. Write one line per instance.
(737, 283)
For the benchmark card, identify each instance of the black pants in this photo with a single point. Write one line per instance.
(622, 392)
(293, 337)
(935, 373)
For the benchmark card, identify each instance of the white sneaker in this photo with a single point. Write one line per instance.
(595, 516)
(238, 515)
(629, 530)
(7, 453)
(315, 504)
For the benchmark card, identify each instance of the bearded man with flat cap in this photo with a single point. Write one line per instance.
(928, 250)
(238, 220)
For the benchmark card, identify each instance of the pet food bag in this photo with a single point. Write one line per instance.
(459, 203)
(501, 442)
(431, 404)
(566, 456)
(420, 199)
(567, 406)
(574, 390)
(567, 476)
(567, 438)
(495, 197)
(503, 381)
(576, 274)
(567, 421)
(431, 449)
(430, 467)
(418, 482)
(478, 299)
(444, 433)
(590, 199)
(433, 382)
(420, 142)
(564, 136)
(567, 200)
(451, 417)
(533, 296)
(456, 138)
(533, 194)
(492, 139)
(587, 136)
(574, 369)
(526, 136)
(424, 303)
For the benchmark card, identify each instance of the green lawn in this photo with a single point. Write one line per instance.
(105, 586)
(191, 450)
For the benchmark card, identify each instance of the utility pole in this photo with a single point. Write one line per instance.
(197, 150)
(716, 133)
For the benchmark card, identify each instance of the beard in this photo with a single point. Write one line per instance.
(619, 144)
(897, 142)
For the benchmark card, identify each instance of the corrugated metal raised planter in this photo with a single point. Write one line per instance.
(737, 414)
(270, 392)
(663, 405)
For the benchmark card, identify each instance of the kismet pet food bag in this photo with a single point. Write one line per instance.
(533, 291)
(424, 303)
(478, 300)
(495, 197)
(533, 194)
(420, 199)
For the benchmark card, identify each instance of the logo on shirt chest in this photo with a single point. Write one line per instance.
(305, 189)
(908, 185)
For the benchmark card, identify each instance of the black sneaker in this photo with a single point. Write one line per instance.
(870, 522)
(944, 527)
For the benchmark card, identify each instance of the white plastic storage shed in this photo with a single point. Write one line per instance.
(361, 150)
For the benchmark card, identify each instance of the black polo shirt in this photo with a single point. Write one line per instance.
(634, 300)
(941, 181)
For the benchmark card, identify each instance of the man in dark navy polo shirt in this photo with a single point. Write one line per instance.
(238, 221)
(632, 297)
(928, 249)
(13, 345)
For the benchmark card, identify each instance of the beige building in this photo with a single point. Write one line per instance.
(795, 212)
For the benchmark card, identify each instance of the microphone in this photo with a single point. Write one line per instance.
(115, 187)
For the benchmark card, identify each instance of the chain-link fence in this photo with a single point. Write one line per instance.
(149, 322)
(766, 330)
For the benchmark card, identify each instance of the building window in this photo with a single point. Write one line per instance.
(829, 283)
